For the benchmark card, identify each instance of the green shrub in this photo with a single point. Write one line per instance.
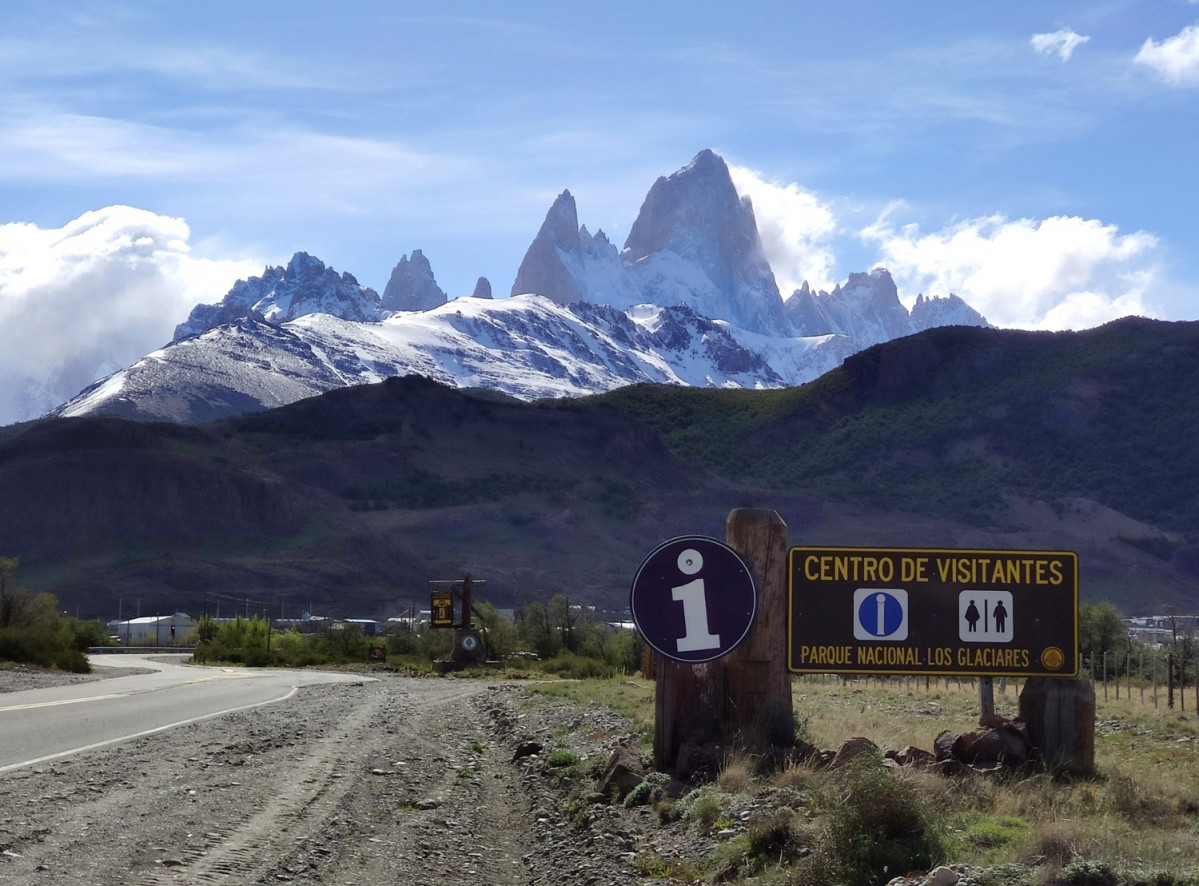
(704, 806)
(646, 792)
(38, 634)
(877, 829)
(576, 667)
(1087, 873)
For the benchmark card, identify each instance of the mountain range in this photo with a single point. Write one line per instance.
(689, 300)
(309, 444)
(348, 503)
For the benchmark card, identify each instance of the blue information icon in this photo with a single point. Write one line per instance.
(880, 614)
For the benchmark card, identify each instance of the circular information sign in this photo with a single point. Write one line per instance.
(693, 599)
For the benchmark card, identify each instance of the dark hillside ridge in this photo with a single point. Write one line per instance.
(1109, 414)
(350, 502)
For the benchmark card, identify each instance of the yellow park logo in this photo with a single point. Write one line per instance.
(1053, 658)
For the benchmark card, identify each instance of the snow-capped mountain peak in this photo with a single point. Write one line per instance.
(305, 286)
(867, 310)
(689, 300)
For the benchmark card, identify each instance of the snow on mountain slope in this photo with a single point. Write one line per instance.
(526, 346)
(238, 367)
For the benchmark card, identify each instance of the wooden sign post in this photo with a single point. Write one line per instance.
(742, 698)
(468, 646)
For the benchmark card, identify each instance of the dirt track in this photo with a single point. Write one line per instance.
(398, 780)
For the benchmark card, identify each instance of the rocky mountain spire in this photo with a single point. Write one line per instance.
(482, 288)
(544, 268)
(695, 217)
(412, 286)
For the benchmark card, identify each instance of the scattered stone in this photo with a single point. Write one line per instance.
(852, 749)
(626, 770)
(526, 749)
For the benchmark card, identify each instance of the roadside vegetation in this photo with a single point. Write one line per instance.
(34, 631)
(549, 637)
(1135, 822)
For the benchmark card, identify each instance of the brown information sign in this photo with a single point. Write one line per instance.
(931, 611)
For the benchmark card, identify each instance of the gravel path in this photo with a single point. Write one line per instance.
(399, 780)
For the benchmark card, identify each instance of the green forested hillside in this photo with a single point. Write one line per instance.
(948, 422)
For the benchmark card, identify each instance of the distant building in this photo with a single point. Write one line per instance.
(370, 627)
(1160, 630)
(153, 630)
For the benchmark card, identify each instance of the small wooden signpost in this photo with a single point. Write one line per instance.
(468, 645)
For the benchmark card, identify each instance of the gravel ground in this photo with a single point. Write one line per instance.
(394, 780)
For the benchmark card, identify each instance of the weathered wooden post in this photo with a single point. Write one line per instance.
(1170, 680)
(1060, 714)
(688, 717)
(759, 708)
(744, 697)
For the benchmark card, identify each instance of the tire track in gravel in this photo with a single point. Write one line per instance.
(301, 800)
(443, 805)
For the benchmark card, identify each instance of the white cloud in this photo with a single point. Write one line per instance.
(1176, 59)
(796, 230)
(1063, 42)
(1055, 273)
(81, 301)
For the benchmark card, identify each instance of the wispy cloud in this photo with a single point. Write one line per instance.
(1175, 59)
(1053, 273)
(796, 228)
(1062, 42)
(81, 301)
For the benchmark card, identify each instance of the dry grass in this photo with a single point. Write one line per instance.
(737, 774)
(1138, 813)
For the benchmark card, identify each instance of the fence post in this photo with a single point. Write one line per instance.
(1170, 680)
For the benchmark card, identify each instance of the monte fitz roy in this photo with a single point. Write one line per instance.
(689, 300)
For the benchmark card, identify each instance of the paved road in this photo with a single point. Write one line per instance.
(38, 725)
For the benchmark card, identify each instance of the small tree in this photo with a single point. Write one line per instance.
(562, 620)
(1101, 629)
(12, 599)
(536, 632)
(499, 631)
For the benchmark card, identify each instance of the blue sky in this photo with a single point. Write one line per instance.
(1038, 159)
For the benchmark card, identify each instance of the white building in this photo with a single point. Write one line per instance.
(153, 630)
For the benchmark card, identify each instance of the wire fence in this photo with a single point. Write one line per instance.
(1155, 677)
